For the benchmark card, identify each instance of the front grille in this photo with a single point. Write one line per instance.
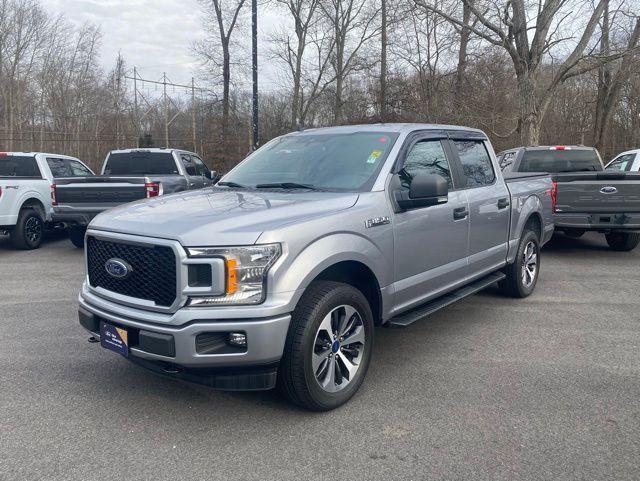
(152, 276)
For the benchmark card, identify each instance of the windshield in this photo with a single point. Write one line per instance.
(141, 163)
(555, 161)
(344, 162)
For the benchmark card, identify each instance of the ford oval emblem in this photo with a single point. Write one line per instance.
(608, 189)
(118, 268)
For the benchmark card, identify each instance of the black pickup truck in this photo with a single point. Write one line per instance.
(587, 198)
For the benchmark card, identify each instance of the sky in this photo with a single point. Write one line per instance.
(154, 35)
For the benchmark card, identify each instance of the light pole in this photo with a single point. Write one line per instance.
(254, 54)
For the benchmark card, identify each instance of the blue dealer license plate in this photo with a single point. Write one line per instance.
(114, 338)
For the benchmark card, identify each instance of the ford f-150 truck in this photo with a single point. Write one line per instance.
(127, 175)
(587, 198)
(26, 180)
(277, 275)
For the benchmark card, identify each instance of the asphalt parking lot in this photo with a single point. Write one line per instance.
(490, 388)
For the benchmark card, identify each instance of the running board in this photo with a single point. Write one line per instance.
(420, 312)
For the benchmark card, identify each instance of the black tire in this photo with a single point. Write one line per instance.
(514, 284)
(622, 241)
(296, 377)
(76, 235)
(574, 233)
(29, 230)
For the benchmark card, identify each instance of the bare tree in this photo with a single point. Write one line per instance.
(611, 78)
(353, 25)
(527, 44)
(215, 50)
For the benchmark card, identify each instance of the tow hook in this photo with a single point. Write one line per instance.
(171, 369)
(93, 340)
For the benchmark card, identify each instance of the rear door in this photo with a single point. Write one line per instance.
(194, 178)
(430, 243)
(489, 202)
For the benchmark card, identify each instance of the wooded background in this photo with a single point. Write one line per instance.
(526, 72)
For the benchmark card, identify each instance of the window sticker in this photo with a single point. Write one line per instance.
(374, 156)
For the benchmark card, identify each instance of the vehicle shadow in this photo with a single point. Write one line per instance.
(52, 235)
(591, 241)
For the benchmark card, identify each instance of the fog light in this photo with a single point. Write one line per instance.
(237, 339)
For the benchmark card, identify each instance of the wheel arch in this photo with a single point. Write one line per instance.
(35, 203)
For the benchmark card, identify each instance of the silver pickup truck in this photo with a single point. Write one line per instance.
(126, 175)
(278, 275)
(587, 198)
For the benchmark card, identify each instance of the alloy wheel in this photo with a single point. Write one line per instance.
(338, 348)
(529, 264)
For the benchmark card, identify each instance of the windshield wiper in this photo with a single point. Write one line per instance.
(286, 185)
(232, 184)
(584, 169)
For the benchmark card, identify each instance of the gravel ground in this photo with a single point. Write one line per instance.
(489, 388)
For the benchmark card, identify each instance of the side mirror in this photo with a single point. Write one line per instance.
(211, 175)
(424, 191)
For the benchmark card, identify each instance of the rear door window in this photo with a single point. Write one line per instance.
(623, 163)
(476, 163)
(141, 163)
(67, 168)
(554, 161)
(19, 166)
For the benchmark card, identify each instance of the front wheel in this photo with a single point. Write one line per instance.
(622, 241)
(522, 274)
(76, 235)
(328, 347)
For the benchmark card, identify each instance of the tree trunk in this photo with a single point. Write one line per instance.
(604, 83)
(226, 83)
(465, 33)
(383, 63)
(529, 119)
(295, 101)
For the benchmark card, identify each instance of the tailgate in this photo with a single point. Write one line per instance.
(592, 192)
(99, 190)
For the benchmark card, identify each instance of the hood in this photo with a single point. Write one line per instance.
(217, 216)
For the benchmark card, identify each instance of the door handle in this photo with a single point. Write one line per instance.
(460, 213)
(503, 203)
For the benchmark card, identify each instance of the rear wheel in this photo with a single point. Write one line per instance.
(622, 241)
(76, 235)
(28, 231)
(328, 347)
(522, 274)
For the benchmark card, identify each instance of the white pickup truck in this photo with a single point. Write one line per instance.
(26, 194)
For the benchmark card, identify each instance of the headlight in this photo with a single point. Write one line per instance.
(246, 271)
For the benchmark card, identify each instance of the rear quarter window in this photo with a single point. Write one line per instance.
(19, 166)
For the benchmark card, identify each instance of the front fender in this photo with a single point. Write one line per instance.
(299, 271)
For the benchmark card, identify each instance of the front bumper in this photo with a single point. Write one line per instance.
(180, 352)
(605, 222)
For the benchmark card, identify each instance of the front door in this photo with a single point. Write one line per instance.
(430, 243)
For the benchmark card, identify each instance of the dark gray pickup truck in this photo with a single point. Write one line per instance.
(587, 198)
(127, 175)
